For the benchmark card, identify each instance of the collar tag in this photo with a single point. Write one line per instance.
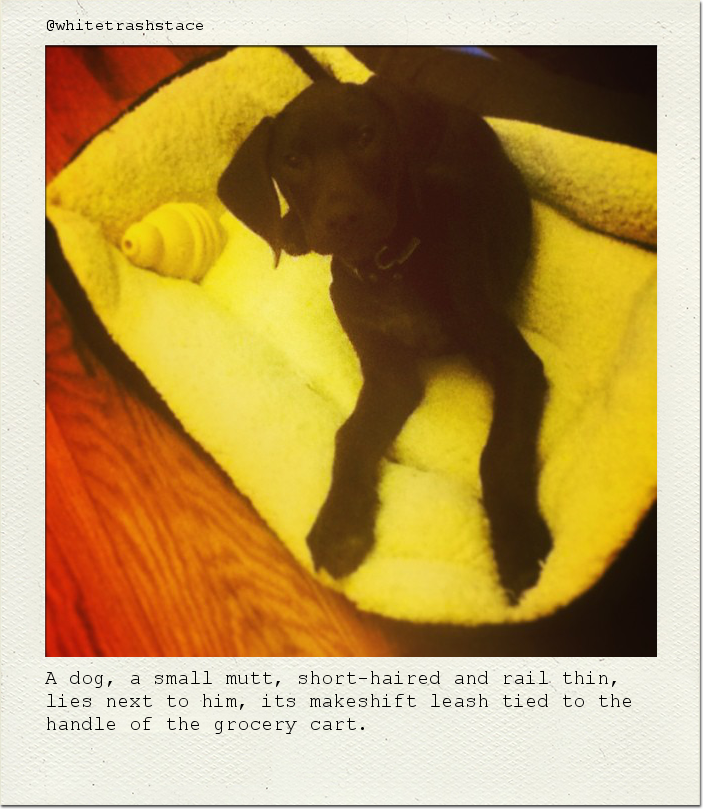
(385, 263)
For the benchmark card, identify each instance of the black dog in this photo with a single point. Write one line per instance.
(429, 227)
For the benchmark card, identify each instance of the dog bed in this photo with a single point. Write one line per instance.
(254, 364)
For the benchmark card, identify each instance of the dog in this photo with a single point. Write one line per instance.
(429, 227)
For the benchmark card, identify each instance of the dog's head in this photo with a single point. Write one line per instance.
(344, 157)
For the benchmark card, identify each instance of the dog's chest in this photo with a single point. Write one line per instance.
(399, 312)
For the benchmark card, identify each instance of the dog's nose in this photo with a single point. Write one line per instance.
(342, 221)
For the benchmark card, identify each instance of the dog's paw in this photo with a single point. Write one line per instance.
(339, 542)
(339, 554)
(521, 542)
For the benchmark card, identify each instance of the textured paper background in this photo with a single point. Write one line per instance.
(648, 754)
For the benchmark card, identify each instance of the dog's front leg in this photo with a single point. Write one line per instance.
(343, 532)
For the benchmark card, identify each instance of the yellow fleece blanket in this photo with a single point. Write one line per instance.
(255, 365)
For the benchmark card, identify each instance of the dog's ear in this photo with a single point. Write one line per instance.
(293, 239)
(420, 118)
(246, 187)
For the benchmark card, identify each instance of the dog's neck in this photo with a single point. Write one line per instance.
(391, 262)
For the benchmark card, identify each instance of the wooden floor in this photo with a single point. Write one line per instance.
(150, 550)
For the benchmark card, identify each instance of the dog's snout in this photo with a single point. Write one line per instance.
(342, 220)
(350, 226)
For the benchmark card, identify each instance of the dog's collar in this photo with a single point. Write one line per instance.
(386, 263)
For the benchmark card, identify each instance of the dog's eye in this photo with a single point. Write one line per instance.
(293, 159)
(365, 136)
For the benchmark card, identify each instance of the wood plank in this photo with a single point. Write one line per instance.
(70, 121)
